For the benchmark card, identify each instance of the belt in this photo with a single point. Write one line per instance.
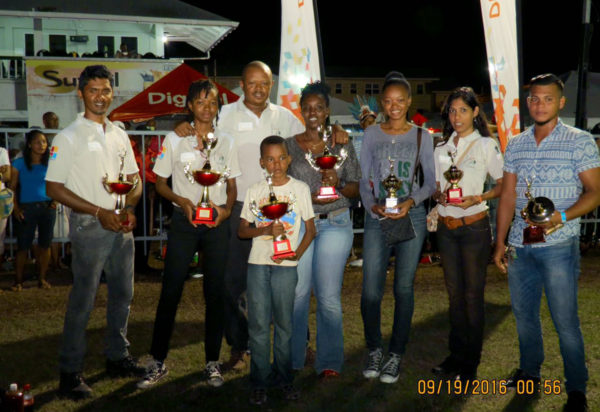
(456, 222)
(332, 213)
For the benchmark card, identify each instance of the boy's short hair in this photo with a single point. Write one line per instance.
(546, 80)
(271, 141)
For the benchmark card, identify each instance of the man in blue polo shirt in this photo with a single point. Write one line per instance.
(561, 163)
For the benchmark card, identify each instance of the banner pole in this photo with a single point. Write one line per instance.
(521, 80)
(319, 42)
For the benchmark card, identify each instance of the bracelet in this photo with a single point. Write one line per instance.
(97, 211)
(563, 216)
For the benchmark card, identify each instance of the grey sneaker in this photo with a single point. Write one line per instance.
(155, 372)
(391, 369)
(374, 362)
(213, 374)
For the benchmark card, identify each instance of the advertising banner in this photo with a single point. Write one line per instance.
(299, 57)
(500, 27)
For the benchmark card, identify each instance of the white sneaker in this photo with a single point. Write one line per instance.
(391, 369)
(213, 374)
(156, 371)
(374, 362)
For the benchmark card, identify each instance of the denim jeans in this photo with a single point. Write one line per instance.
(376, 255)
(465, 252)
(270, 297)
(555, 269)
(185, 240)
(236, 325)
(95, 249)
(322, 268)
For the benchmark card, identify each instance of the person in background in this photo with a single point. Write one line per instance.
(464, 236)
(562, 164)
(322, 266)
(5, 176)
(34, 209)
(394, 141)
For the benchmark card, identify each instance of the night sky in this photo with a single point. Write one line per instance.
(428, 38)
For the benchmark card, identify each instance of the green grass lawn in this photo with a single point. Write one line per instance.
(31, 325)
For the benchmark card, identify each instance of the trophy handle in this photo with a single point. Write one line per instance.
(311, 161)
(341, 158)
(254, 209)
(105, 184)
(187, 172)
(224, 176)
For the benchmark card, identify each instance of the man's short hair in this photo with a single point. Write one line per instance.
(97, 71)
(259, 65)
(271, 141)
(547, 79)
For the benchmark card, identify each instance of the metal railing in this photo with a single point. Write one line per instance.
(12, 67)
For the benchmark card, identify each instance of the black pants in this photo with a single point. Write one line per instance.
(236, 324)
(465, 253)
(183, 241)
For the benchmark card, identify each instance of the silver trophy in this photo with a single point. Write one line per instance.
(326, 161)
(121, 187)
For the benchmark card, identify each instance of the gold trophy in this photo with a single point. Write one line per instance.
(392, 185)
(274, 210)
(538, 210)
(206, 177)
(121, 187)
(453, 176)
(325, 162)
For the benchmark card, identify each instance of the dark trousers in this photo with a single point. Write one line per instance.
(236, 324)
(465, 253)
(183, 241)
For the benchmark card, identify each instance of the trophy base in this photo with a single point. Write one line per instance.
(390, 205)
(454, 195)
(533, 234)
(204, 215)
(282, 249)
(327, 192)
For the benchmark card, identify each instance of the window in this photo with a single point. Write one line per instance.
(29, 45)
(420, 88)
(106, 46)
(58, 44)
(338, 88)
(353, 88)
(131, 42)
(372, 88)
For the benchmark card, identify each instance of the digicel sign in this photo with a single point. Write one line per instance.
(177, 100)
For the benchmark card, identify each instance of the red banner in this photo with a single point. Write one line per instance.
(166, 96)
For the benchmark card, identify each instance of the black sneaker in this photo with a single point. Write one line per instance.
(125, 367)
(374, 363)
(391, 370)
(576, 402)
(448, 367)
(258, 396)
(73, 386)
(520, 376)
(290, 393)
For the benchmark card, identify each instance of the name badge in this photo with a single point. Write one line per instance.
(187, 157)
(94, 147)
(245, 126)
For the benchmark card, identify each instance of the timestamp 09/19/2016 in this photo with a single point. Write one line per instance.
(486, 387)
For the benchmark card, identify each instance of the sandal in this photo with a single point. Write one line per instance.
(42, 284)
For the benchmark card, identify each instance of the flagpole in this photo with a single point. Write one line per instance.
(319, 42)
(521, 81)
(584, 63)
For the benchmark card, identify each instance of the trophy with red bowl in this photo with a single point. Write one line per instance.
(453, 176)
(121, 187)
(274, 210)
(206, 177)
(326, 161)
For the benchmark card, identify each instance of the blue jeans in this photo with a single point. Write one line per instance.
(95, 249)
(322, 268)
(555, 269)
(376, 255)
(270, 296)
